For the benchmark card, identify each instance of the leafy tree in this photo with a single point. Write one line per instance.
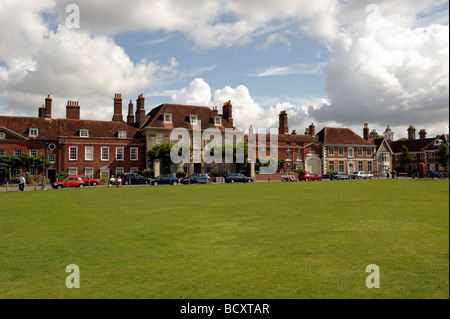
(405, 158)
(162, 152)
(443, 155)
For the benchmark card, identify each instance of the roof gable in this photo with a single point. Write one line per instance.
(341, 136)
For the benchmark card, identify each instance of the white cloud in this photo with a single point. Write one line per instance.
(273, 39)
(197, 93)
(384, 68)
(292, 69)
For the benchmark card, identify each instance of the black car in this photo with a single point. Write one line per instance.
(340, 175)
(134, 179)
(237, 178)
(197, 179)
(169, 179)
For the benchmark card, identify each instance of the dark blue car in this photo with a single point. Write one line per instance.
(433, 174)
(197, 179)
(237, 178)
(167, 179)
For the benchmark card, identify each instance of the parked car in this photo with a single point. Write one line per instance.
(309, 176)
(88, 181)
(134, 179)
(197, 179)
(237, 178)
(433, 174)
(70, 181)
(362, 175)
(340, 175)
(169, 179)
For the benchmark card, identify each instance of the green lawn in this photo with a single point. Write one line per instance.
(261, 240)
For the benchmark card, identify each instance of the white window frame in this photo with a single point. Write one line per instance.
(122, 134)
(341, 151)
(84, 133)
(351, 152)
(331, 151)
(369, 152)
(18, 153)
(369, 166)
(120, 171)
(2, 152)
(167, 118)
(132, 150)
(193, 119)
(218, 120)
(134, 170)
(105, 159)
(33, 170)
(70, 153)
(120, 151)
(341, 165)
(34, 132)
(52, 158)
(160, 138)
(35, 152)
(86, 153)
(73, 169)
(331, 165)
(360, 165)
(360, 152)
(89, 171)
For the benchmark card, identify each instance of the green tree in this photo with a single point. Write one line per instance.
(162, 152)
(442, 155)
(405, 158)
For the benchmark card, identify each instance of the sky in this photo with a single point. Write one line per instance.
(336, 63)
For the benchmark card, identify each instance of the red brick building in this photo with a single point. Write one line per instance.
(94, 148)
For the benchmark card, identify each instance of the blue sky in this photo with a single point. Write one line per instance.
(329, 62)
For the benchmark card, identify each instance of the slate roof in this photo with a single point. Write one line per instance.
(412, 145)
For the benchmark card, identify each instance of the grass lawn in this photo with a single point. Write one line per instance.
(261, 240)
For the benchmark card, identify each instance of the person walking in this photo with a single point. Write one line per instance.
(21, 183)
(387, 173)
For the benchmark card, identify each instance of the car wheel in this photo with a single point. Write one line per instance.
(175, 183)
(319, 179)
(94, 184)
(127, 182)
(306, 179)
(60, 186)
(81, 186)
(155, 183)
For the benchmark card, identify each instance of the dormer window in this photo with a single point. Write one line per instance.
(34, 132)
(217, 120)
(84, 133)
(194, 119)
(122, 134)
(167, 118)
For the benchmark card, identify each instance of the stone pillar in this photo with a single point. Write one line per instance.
(252, 170)
(156, 168)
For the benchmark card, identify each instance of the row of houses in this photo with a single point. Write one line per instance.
(103, 148)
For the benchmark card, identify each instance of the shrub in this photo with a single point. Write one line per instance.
(147, 172)
(181, 174)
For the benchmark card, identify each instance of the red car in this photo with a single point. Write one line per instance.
(308, 176)
(70, 181)
(88, 181)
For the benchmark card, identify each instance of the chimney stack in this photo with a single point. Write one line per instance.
(228, 112)
(41, 112)
(130, 117)
(73, 110)
(411, 133)
(312, 130)
(294, 132)
(423, 134)
(140, 110)
(117, 117)
(374, 134)
(283, 127)
(366, 131)
(48, 107)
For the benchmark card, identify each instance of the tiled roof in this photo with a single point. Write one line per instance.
(412, 145)
(180, 117)
(52, 129)
(341, 136)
